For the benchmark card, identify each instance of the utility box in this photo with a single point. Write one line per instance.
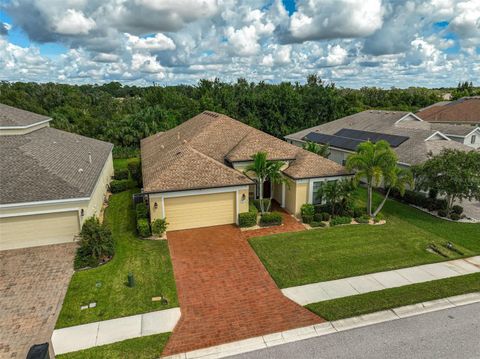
(38, 351)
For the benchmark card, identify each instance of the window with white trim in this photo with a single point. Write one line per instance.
(473, 139)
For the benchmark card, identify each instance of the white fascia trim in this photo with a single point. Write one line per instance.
(201, 191)
(44, 203)
(32, 213)
(459, 136)
(437, 133)
(24, 127)
(404, 164)
(409, 114)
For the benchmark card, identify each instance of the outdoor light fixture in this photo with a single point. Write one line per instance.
(244, 197)
(82, 212)
(155, 205)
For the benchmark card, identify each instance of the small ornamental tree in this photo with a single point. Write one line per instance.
(96, 243)
(337, 193)
(321, 150)
(454, 174)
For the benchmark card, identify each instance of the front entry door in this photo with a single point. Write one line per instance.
(267, 189)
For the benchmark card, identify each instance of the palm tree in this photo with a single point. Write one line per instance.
(336, 192)
(321, 150)
(377, 163)
(264, 170)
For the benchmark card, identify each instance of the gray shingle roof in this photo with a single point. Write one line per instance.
(413, 151)
(15, 117)
(44, 165)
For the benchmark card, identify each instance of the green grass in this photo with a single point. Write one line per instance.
(148, 347)
(120, 163)
(330, 253)
(395, 297)
(149, 261)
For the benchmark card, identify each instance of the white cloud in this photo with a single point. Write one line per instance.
(157, 43)
(328, 19)
(74, 22)
(337, 55)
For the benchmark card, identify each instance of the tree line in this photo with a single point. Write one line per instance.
(124, 114)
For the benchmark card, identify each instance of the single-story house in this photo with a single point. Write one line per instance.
(193, 174)
(464, 111)
(51, 180)
(410, 137)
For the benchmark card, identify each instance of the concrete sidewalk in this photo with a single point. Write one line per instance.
(90, 335)
(318, 292)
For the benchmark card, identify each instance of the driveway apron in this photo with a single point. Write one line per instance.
(224, 291)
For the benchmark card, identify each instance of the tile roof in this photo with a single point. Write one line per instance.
(15, 117)
(196, 154)
(412, 151)
(465, 110)
(44, 165)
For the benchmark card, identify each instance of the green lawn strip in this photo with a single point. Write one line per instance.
(148, 347)
(149, 261)
(395, 297)
(120, 163)
(299, 258)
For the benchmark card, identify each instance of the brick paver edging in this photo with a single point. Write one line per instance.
(317, 330)
(321, 291)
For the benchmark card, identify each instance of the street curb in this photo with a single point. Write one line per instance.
(270, 340)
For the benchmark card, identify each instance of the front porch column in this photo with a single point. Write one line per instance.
(283, 195)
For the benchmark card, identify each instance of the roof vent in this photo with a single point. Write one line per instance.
(184, 141)
(178, 136)
(80, 170)
(89, 157)
(162, 147)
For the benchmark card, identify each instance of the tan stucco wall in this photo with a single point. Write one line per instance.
(290, 196)
(155, 213)
(243, 205)
(277, 192)
(98, 196)
(301, 197)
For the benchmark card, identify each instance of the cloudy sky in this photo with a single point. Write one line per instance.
(351, 42)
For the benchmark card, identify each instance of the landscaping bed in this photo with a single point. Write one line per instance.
(106, 286)
(352, 306)
(299, 258)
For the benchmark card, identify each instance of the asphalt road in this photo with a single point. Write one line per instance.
(450, 333)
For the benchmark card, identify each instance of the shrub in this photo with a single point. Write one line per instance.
(121, 174)
(159, 226)
(340, 220)
(121, 185)
(306, 218)
(271, 219)
(252, 208)
(266, 204)
(457, 209)
(415, 198)
(247, 219)
(379, 217)
(325, 216)
(142, 210)
(441, 204)
(455, 216)
(135, 168)
(316, 224)
(96, 243)
(359, 212)
(307, 209)
(143, 227)
(363, 219)
(431, 204)
(432, 193)
(442, 213)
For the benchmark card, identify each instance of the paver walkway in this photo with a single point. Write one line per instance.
(33, 282)
(90, 335)
(224, 291)
(318, 292)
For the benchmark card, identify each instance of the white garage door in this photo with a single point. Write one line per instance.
(38, 230)
(200, 210)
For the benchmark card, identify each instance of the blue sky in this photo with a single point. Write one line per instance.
(353, 43)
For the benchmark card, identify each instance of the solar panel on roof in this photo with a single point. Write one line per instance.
(393, 140)
(334, 141)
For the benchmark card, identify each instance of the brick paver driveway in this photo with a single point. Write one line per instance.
(33, 282)
(225, 293)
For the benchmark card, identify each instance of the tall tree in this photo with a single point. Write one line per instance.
(264, 170)
(376, 163)
(454, 174)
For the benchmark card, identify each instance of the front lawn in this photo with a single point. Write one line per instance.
(148, 347)
(330, 253)
(149, 261)
(395, 297)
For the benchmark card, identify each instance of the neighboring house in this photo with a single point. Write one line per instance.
(193, 174)
(464, 111)
(410, 137)
(50, 180)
